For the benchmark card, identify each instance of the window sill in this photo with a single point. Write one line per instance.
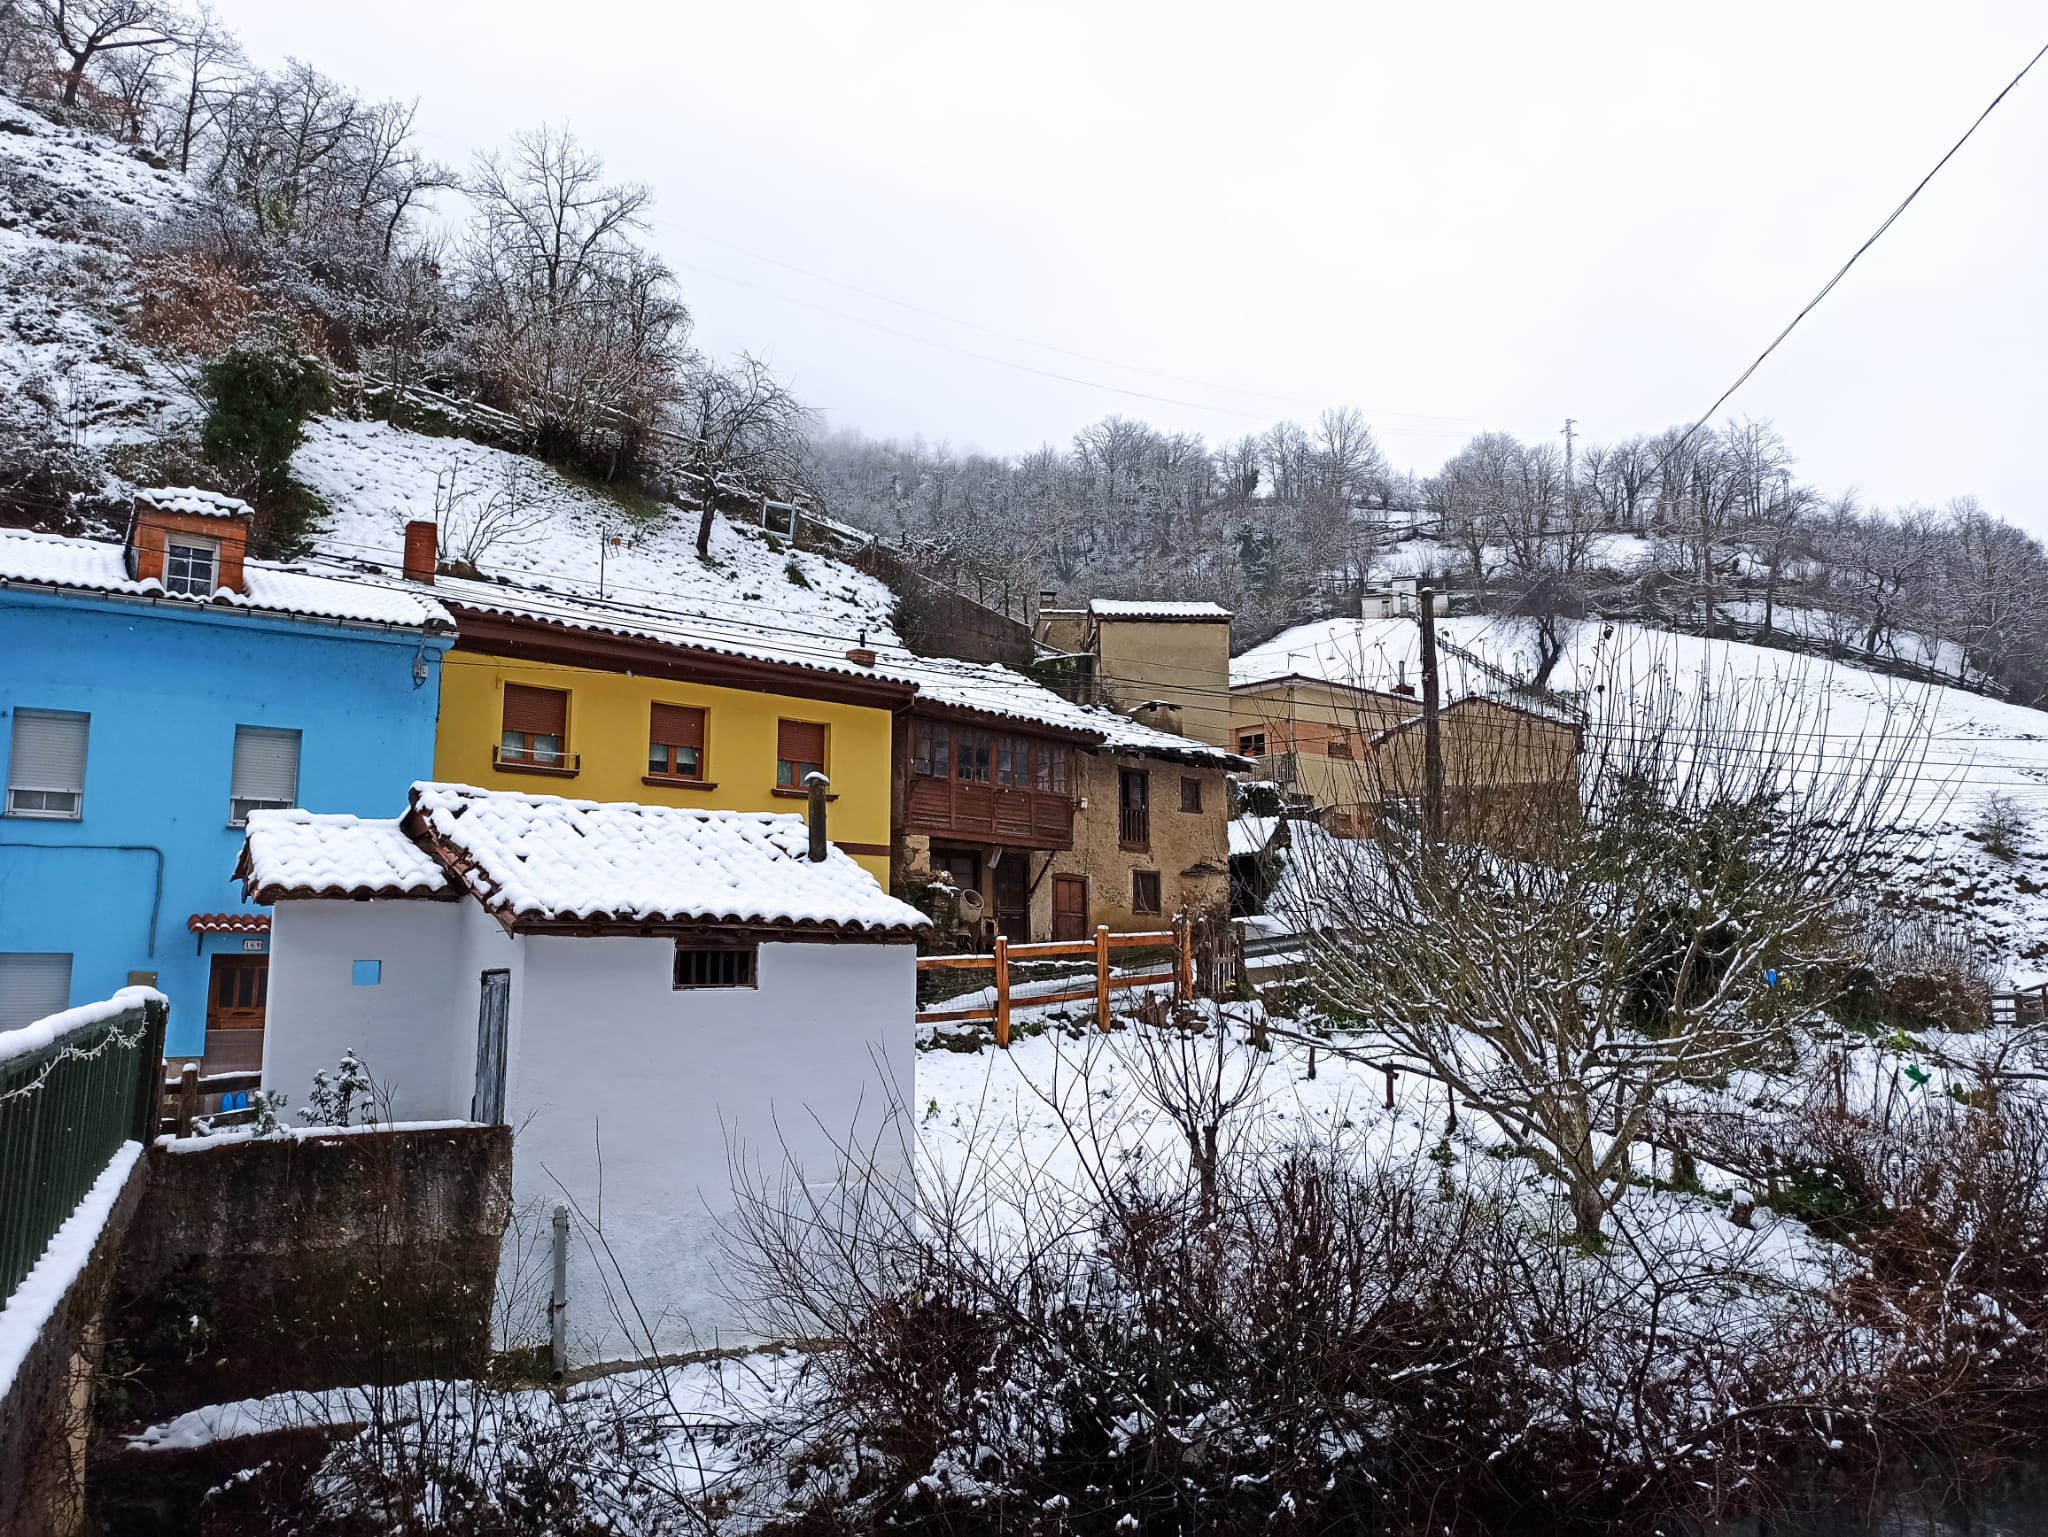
(544, 770)
(677, 782)
(800, 795)
(13, 815)
(1135, 848)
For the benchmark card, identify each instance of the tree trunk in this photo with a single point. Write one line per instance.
(704, 527)
(1589, 1214)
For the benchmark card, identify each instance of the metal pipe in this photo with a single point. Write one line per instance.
(558, 1306)
(156, 902)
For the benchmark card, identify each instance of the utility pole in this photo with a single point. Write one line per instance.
(1571, 477)
(1432, 733)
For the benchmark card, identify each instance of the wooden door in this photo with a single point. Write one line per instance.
(1013, 899)
(237, 1001)
(1070, 907)
(493, 1013)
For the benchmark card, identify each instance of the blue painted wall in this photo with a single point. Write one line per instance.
(166, 686)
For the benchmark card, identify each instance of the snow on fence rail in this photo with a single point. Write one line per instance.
(1180, 971)
(73, 1089)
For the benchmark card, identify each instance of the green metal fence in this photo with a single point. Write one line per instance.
(66, 1105)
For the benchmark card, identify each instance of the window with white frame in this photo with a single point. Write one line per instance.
(191, 565)
(46, 764)
(266, 772)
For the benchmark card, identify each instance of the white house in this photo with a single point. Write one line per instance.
(638, 991)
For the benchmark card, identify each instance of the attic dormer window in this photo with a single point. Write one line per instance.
(191, 565)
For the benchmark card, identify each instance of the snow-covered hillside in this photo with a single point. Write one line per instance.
(73, 209)
(1975, 747)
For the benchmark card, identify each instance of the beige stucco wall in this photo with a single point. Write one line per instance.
(1485, 746)
(1186, 662)
(1305, 717)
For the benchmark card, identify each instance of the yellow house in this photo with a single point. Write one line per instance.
(609, 705)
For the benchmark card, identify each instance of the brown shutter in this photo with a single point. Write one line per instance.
(537, 711)
(799, 741)
(675, 725)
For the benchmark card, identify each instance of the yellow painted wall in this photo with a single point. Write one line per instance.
(608, 719)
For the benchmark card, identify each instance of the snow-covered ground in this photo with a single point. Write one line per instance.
(73, 207)
(1974, 747)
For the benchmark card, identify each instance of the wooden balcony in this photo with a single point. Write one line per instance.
(985, 813)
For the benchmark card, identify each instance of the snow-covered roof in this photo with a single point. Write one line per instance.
(547, 859)
(989, 688)
(299, 853)
(193, 502)
(1252, 835)
(92, 566)
(1145, 608)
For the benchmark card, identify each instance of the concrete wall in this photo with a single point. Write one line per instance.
(1184, 662)
(165, 688)
(629, 1096)
(45, 1412)
(934, 620)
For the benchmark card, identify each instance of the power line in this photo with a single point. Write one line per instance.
(1842, 272)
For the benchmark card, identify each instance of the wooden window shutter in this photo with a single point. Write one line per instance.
(675, 725)
(536, 711)
(799, 741)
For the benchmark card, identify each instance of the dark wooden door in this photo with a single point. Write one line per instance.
(1013, 899)
(494, 1011)
(237, 1002)
(1070, 907)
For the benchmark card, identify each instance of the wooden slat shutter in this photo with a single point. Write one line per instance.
(536, 711)
(675, 725)
(800, 741)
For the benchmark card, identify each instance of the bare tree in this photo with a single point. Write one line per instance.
(1562, 966)
(85, 30)
(743, 436)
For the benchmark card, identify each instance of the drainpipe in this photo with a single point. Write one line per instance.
(156, 901)
(817, 784)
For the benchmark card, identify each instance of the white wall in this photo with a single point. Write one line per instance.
(616, 1074)
(400, 1028)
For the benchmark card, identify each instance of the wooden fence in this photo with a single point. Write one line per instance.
(1180, 971)
(2029, 1006)
(193, 1095)
(69, 1097)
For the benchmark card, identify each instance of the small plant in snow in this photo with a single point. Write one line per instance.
(266, 1104)
(2000, 826)
(338, 1091)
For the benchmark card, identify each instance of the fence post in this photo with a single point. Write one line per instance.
(149, 1074)
(188, 1098)
(1102, 975)
(1003, 991)
(1183, 961)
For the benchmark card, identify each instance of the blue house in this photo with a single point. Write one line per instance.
(152, 694)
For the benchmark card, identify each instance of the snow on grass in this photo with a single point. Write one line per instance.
(375, 478)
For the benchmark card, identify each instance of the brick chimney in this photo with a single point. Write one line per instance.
(192, 541)
(422, 545)
(862, 655)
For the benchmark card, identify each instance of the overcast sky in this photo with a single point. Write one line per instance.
(1453, 217)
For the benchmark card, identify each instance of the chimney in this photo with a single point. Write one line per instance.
(817, 784)
(862, 655)
(422, 544)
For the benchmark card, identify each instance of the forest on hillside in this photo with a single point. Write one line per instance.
(318, 258)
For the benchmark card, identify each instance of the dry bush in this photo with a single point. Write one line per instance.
(192, 300)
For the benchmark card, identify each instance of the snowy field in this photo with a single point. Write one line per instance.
(1970, 748)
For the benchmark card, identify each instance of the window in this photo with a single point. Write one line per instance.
(931, 751)
(1190, 793)
(1013, 762)
(799, 750)
(534, 728)
(1052, 770)
(970, 755)
(191, 565)
(46, 764)
(1340, 745)
(675, 742)
(366, 973)
(266, 772)
(1134, 808)
(1144, 891)
(729, 967)
(33, 985)
(1251, 744)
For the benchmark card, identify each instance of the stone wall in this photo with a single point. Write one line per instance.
(45, 1415)
(307, 1261)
